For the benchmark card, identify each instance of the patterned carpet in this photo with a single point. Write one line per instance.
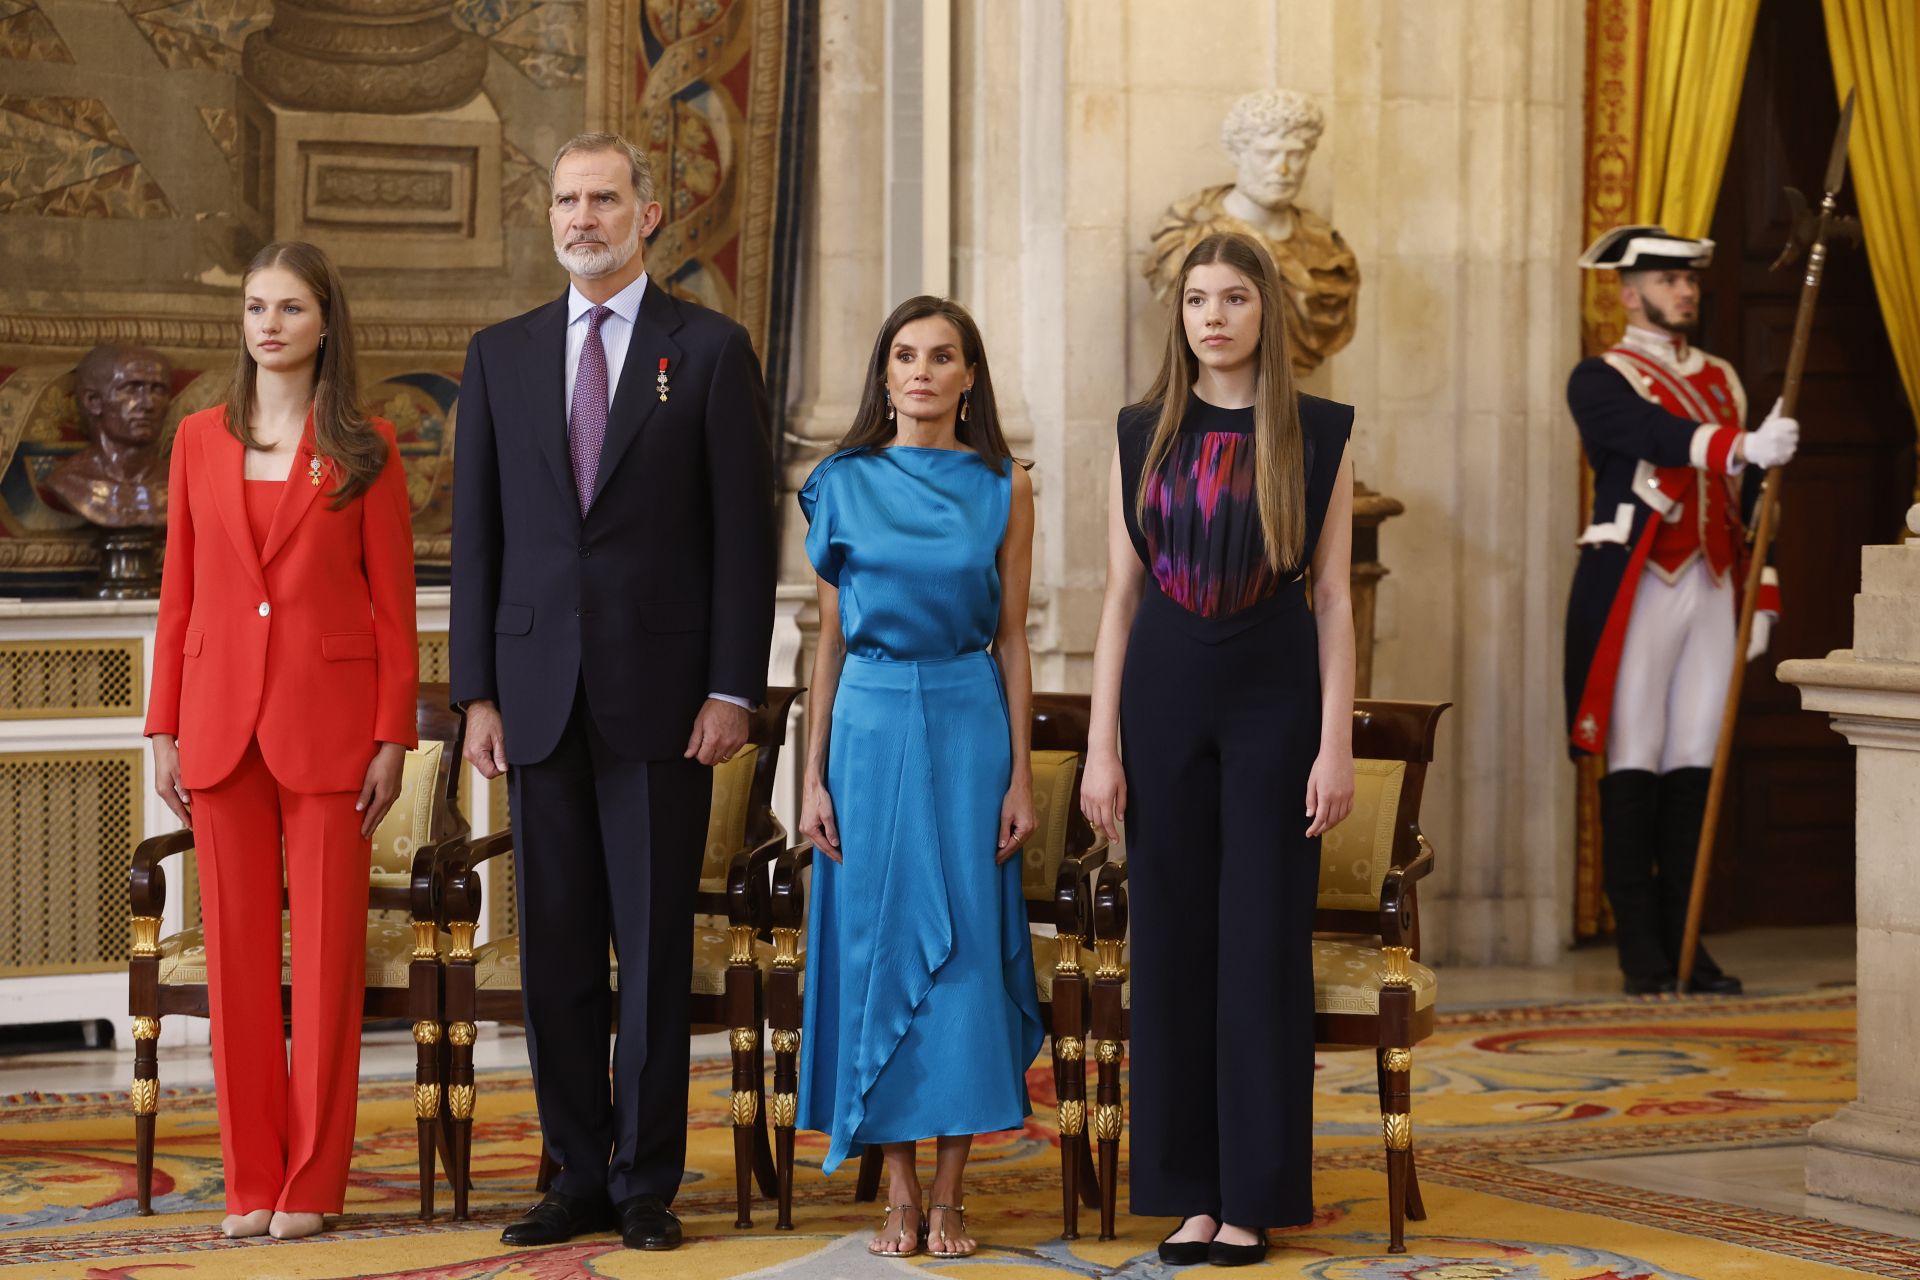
(1496, 1094)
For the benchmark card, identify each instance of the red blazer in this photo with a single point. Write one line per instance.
(307, 644)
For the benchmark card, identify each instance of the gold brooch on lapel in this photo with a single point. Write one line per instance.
(313, 470)
(660, 379)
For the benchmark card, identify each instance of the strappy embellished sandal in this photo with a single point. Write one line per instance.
(909, 1243)
(946, 1238)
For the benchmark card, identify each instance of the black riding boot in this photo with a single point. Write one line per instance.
(1629, 848)
(1683, 807)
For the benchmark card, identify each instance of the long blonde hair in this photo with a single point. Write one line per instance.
(1280, 481)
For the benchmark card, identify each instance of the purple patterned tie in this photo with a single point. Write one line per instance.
(587, 424)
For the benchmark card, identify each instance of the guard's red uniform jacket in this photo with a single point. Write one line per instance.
(1659, 428)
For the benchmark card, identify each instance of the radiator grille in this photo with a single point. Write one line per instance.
(65, 679)
(68, 823)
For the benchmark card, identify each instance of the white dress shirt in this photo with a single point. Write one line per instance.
(616, 332)
(616, 335)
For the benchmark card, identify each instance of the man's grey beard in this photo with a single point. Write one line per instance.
(592, 261)
(1659, 318)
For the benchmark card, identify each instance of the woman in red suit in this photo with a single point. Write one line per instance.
(285, 676)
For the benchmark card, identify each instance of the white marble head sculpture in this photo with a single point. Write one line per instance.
(1271, 136)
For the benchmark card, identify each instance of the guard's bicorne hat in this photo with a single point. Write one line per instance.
(1645, 249)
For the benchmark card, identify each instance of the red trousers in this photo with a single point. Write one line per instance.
(285, 1134)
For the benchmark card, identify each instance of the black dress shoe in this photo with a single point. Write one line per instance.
(1183, 1253)
(1237, 1255)
(647, 1223)
(559, 1218)
(1660, 986)
(1714, 984)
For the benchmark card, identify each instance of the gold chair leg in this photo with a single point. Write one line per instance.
(146, 1105)
(428, 1134)
(744, 1042)
(1396, 1125)
(786, 1108)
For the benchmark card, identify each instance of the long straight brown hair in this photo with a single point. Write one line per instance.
(341, 429)
(979, 430)
(1280, 482)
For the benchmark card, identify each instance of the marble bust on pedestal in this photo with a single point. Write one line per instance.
(1270, 137)
(119, 481)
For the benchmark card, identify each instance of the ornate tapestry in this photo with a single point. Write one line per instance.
(137, 236)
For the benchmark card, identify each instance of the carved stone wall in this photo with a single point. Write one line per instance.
(1450, 163)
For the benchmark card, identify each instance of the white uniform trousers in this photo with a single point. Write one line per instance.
(1672, 687)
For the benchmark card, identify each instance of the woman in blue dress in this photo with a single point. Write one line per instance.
(920, 1016)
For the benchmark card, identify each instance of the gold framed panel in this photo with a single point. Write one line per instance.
(72, 679)
(69, 822)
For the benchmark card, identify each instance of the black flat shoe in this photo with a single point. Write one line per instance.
(1714, 984)
(1660, 986)
(559, 1218)
(1237, 1255)
(1186, 1253)
(647, 1223)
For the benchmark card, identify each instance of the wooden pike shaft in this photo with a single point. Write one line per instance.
(1762, 540)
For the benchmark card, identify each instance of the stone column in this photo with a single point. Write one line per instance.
(362, 126)
(1870, 1151)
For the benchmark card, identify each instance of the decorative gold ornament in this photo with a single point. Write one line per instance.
(1396, 961)
(460, 1101)
(739, 944)
(786, 1041)
(1106, 960)
(1073, 1117)
(461, 1033)
(146, 1097)
(1399, 1059)
(1106, 1122)
(426, 1101)
(146, 1028)
(462, 948)
(785, 1109)
(743, 1039)
(1399, 1131)
(426, 1031)
(146, 935)
(746, 1105)
(786, 948)
(1109, 1052)
(1069, 1049)
(1067, 951)
(425, 944)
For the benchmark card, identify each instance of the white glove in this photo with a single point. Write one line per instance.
(1762, 633)
(1773, 442)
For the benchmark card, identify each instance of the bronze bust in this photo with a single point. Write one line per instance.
(1270, 137)
(119, 481)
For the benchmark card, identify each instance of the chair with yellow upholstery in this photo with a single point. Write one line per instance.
(405, 946)
(731, 953)
(1369, 991)
(1057, 866)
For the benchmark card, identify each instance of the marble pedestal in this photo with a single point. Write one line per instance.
(1870, 1152)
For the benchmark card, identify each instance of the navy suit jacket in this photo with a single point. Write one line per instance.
(663, 592)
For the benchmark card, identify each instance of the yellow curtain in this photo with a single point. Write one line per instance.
(1696, 61)
(1876, 49)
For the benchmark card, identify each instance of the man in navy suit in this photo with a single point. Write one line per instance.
(613, 573)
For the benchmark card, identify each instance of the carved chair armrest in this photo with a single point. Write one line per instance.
(433, 864)
(1110, 903)
(747, 883)
(146, 882)
(479, 851)
(789, 896)
(1397, 902)
(1073, 888)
